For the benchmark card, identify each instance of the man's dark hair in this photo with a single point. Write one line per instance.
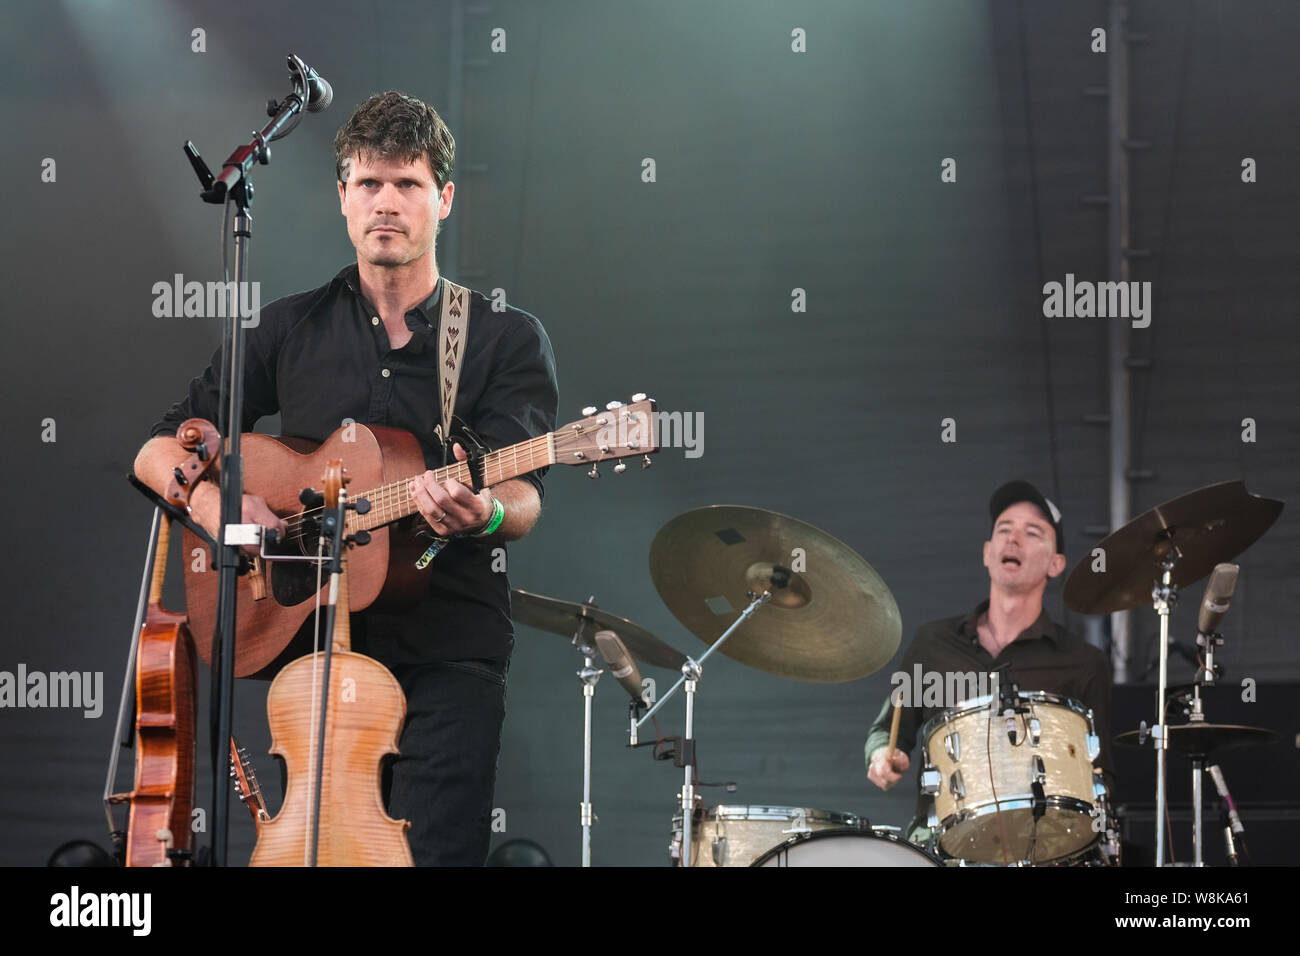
(398, 127)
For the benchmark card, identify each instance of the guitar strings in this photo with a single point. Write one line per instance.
(393, 500)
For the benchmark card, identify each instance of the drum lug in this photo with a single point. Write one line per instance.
(1094, 746)
(1035, 731)
(952, 744)
(957, 785)
(931, 781)
(1037, 769)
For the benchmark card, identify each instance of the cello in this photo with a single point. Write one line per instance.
(333, 743)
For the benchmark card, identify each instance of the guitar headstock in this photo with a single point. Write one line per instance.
(620, 431)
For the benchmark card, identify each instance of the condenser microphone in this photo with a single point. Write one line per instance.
(620, 663)
(1218, 595)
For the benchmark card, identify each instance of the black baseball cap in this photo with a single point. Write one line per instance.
(1014, 492)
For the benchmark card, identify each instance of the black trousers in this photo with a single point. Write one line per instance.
(445, 775)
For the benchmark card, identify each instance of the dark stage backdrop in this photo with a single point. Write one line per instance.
(774, 171)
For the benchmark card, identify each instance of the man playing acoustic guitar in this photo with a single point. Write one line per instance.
(364, 347)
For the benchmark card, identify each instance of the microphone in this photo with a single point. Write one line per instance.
(319, 93)
(620, 663)
(1216, 773)
(1008, 698)
(1218, 595)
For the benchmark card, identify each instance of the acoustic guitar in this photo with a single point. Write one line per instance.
(276, 597)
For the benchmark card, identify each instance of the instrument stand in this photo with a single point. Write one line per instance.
(1164, 596)
(122, 736)
(691, 672)
(588, 675)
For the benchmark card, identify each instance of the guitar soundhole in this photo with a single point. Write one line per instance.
(293, 582)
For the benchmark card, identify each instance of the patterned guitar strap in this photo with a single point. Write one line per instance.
(453, 330)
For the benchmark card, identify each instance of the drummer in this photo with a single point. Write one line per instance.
(1024, 549)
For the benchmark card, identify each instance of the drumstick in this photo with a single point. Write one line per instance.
(893, 734)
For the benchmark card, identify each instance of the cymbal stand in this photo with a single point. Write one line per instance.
(691, 672)
(1164, 595)
(588, 675)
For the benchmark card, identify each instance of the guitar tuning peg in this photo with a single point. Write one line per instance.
(595, 472)
(609, 407)
(645, 462)
(620, 467)
(639, 397)
(588, 410)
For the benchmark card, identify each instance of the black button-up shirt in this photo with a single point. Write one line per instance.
(322, 357)
(1045, 657)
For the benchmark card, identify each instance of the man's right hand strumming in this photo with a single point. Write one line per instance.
(883, 772)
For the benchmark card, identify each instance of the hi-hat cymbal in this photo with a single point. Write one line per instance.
(834, 620)
(1203, 528)
(566, 618)
(1199, 740)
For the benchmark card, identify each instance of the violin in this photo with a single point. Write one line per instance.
(334, 715)
(158, 831)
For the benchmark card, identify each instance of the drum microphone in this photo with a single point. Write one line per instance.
(1216, 773)
(1218, 595)
(1234, 821)
(620, 663)
(1008, 698)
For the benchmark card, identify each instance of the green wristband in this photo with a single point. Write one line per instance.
(498, 516)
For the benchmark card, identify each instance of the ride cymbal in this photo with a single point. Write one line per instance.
(831, 617)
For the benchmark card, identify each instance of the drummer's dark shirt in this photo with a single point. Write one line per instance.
(1044, 657)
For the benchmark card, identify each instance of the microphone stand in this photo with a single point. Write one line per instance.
(235, 185)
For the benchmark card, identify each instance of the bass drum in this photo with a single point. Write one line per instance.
(846, 847)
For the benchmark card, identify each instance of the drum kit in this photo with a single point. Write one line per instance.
(784, 597)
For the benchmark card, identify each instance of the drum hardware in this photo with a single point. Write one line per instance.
(1162, 550)
(831, 617)
(1037, 769)
(590, 626)
(691, 673)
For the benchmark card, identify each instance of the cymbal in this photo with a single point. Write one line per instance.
(566, 618)
(1200, 740)
(834, 621)
(1207, 526)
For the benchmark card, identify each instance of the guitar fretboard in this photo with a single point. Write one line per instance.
(392, 501)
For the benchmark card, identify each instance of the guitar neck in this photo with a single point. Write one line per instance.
(391, 502)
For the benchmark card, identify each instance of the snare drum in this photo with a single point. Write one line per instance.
(737, 835)
(875, 847)
(1038, 793)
